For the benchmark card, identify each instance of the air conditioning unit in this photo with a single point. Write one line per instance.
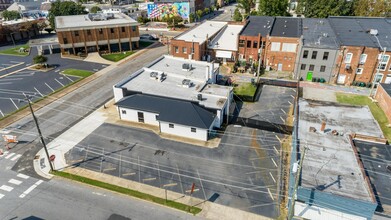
(186, 67)
(347, 66)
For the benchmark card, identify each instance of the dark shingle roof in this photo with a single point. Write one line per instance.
(318, 33)
(286, 27)
(170, 110)
(354, 31)
(387, 88)
(258, 25)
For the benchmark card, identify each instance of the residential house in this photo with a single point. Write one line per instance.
(97, 33)
(175, 95)
(283, 44)
(320, 49)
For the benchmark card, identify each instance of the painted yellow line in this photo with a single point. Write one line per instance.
(11, 66)
(170, 184)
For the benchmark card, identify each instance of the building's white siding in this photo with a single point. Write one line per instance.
(314, 212)
(131, 115)
(184, 131)
(118, 94)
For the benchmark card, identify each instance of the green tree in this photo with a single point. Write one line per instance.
(273, 8)
(206, 11)
(41, 25)
(64, 8)
(217, 6)
(199, 14)
(369, 8)
(95, 9)
(237, 15)
(212, 8)
(39, 59)
(10, 15)
(325, 8)
(245, 5)
(192, 17)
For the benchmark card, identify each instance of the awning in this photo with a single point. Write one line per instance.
(224, 54)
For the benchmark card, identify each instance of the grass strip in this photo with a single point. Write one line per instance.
(115, 57)
(79, 73)
(377, 112)
(245, 89)
(14, 51)
(130, 192)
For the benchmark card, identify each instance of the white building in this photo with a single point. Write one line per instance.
(225, 45)
(177, 95)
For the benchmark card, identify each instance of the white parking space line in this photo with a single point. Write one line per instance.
(2, 115)
(20, 175)
(49, 87)
(6, 188)
(31, 188)
(14, 181)
(9, 155)
(272, 177)
(5, 83)
(16, 157)
(283, 111)
(195, 190)
(59, 82)
(149, 179)
(38, 92)
(202, 186)
(14, 104)
(170, 184)
(270, 194)
(1, 195)
(274, 162)
(276, 149)
(4, 153)
(68, 77)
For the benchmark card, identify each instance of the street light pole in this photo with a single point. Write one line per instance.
(39, 132)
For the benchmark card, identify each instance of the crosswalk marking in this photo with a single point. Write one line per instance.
(1, 195)
(4, 153)
(16, 157)
(31, 188)
(6, 188)
(22, 176)
(9, 155)
(14, 181)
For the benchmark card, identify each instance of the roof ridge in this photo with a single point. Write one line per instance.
(198, 113)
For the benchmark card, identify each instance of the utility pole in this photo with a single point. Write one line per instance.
(378, 71)
(39, 132)
(292, 202)
(259, 62)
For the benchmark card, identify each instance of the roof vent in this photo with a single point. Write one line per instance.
(283, 33)
(321, 22)
(187, 83)
(194, 36)
(286, 21)
(284, 26)
(153, 75)
(264, 26)
(325, 34)
(373, 32)
(199, 97)
(186, 67)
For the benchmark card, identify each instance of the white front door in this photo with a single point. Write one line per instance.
(341, 79)
(279, 67)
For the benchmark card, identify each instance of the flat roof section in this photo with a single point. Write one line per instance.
(204, 31)
(83, 21)
(355, 31)
(227, 39)
(318, 33)
(376, 157)
(172, 87)
(258, 25)
(330, 164)
(286, 27)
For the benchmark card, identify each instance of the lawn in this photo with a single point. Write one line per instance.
(79, 73)
(117, 56)
(245, 89)
(144, 44)
(15, 50)
(130, 192)
(377, 112)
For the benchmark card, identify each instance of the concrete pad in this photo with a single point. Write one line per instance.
(96, 58)
(318, 94)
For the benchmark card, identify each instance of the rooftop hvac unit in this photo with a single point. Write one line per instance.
(187, 83)
(186, 67)
(199, 97)
(153, 75)
(373, 32)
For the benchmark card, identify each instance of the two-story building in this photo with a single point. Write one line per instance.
(283, 44)
(97, 33)
(318, 54)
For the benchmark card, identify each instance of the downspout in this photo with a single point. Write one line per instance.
(340, 64)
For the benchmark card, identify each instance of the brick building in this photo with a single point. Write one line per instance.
(4, 4)
(283, 44)
(363, 41)
(16, 30)
(254, 36)
(97, 33)
(193, 44)
(383, 96)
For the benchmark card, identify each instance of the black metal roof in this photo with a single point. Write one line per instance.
(258, 25)
(355, 31)
(317, 33)
(286, 27)
(387, 88)
(170, 110)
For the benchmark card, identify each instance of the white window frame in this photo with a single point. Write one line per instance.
(359, 71)
(275, 46)
(184, 50)
(346, 60)
(289, 47)
(382, 63)
(176, 49)
(363, 58)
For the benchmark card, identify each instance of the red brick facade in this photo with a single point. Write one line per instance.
(249, 47)
(181, 48)
(359, 64)
(280, 58)
(384, 100)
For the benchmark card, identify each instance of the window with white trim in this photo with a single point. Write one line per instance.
(171, 125)
(275, 46)
(288, 47)
(348, 57)
(123, 112)
(383, 62)
(193, 130)
(359, 71)
(176, 49)
(363, 58)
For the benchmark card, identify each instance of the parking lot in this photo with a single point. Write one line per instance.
(17, 78)
(242, 172)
